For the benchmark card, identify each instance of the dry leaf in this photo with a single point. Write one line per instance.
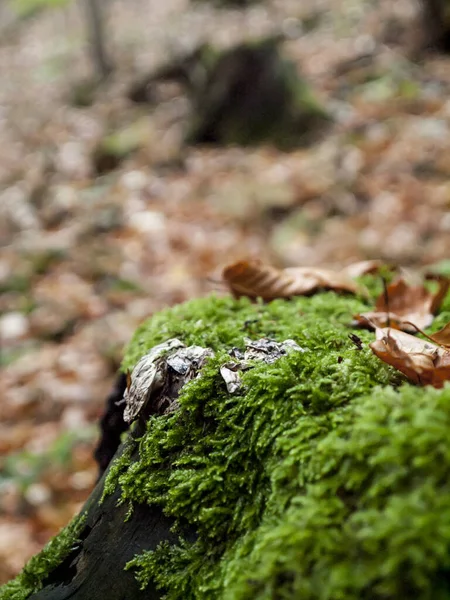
(257, 280)
(404, 306)
(264, 350)
(442, 337)
(230, 373)
(421, 361)
(147, 376)
(363, 267)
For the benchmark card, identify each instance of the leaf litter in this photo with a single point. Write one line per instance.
(265, 350)
(86, 259)
(405, 307)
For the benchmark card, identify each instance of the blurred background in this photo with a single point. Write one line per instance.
(146, 143)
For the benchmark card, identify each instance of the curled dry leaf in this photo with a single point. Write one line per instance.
(257, 280)
(150, 372)
(442, 337)
(269, 351)
(264, 350)
(405, 307)
(363, 267)
(421, 361)
(147, 376)
(231, 375)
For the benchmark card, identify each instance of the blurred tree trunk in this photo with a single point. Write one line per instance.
(436, 24)
(96, 34)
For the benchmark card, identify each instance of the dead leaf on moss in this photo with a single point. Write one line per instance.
(147, 376)
(150, 373)
(405, 307)
(363, 267)
(421, 361)
(265, 350)
(230, 373)
(442, 337)
(258, 280)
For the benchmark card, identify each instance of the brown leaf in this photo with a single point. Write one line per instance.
(403, 306)
(421, 361)
(257, 280)
(442, 337)
(363, 267)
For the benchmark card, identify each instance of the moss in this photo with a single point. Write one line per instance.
(324, 479)
(31, 579)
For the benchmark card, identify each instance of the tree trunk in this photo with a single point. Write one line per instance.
(96, 35)
(436, 24)
(95, 568)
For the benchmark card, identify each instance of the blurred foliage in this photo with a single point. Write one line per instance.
(27, 467)
(27, 8)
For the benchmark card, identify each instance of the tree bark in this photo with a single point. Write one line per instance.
(436, 24)
(95, 568)
(96, 35)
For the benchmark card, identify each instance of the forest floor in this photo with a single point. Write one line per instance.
(86, 257)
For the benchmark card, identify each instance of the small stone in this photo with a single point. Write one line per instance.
(431, 128)
(13, 326)
(37, 494)
(148, 221)
(82, 480)
(135, 181)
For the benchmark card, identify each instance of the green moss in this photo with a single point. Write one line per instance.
(326, 477)
(323, 479)
(31, 579)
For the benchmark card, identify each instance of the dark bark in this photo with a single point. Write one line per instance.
(112, 425)
(436, 24)
(95, 568)
(246, 95)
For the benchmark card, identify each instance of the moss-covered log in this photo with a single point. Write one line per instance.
(325, 476)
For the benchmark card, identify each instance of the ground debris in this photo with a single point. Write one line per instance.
(264, 350)
(405, 307)
(86, 259)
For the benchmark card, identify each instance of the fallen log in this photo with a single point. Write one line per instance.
(321, 473)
